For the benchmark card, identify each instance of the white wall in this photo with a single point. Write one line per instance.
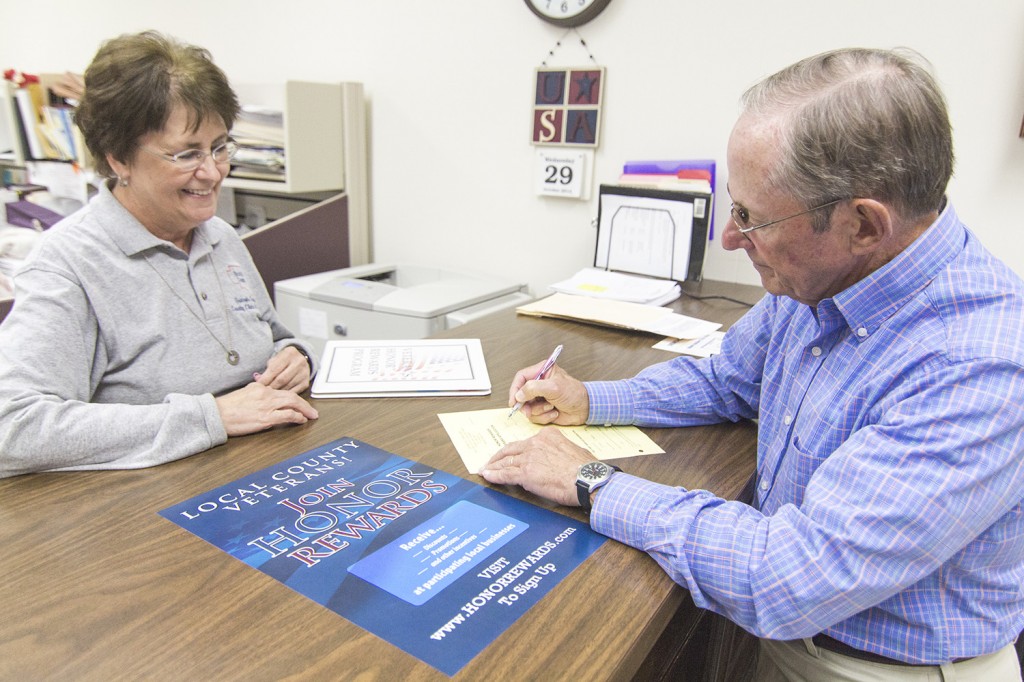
(450, 85)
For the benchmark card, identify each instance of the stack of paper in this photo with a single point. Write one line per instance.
(259, 132)
(15, 245)
(600, 283)
(623, 314)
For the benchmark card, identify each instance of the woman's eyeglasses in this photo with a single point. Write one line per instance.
(191, 159)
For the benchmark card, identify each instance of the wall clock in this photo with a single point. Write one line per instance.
(567, 13)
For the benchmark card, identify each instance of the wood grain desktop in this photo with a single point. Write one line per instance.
(97, 586)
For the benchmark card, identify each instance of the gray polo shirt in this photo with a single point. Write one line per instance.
(118, 343)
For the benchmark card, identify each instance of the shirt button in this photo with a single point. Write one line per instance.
(203, 295)
(764, 485)
(816, 351)
(787, 420)
(862, 332)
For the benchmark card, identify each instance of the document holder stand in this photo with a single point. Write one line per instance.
(652, 232)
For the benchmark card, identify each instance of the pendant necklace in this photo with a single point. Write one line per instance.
(231, 353)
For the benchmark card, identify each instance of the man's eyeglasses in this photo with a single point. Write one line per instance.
(191, 159)
(741, 216)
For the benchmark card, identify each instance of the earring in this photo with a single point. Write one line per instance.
(122, 181)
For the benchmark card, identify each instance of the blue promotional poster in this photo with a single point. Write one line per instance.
(428, 561)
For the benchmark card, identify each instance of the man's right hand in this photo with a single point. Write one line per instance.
(556, 399)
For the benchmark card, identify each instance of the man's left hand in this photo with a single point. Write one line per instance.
(544, 464)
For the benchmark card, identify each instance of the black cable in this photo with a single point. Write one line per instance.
(720, 298)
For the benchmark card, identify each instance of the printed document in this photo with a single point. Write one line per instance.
(478, 434)
(704, 347)
(419, 367)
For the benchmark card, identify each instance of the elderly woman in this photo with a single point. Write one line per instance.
(140, 322)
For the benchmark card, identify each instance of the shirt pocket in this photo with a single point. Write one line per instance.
(811, 443)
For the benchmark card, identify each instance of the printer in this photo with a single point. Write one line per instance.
(388, 302)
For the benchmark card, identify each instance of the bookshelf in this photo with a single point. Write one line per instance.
(38, 127)
(325, 149)
(324, 134)
(325, 146)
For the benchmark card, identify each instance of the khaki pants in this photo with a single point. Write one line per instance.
(800, 660)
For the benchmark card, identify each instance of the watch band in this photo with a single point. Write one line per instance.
(583, 495)
(309, 360)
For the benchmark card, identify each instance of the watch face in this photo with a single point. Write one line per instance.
(593, 470)
(567, 13)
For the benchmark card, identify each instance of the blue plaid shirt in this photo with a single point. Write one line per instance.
(890, 460)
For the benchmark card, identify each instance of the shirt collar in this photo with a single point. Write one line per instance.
(131, 236)
(871, 301)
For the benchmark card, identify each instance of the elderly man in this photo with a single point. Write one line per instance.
(886, 368)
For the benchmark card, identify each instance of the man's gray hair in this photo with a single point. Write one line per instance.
(858, 123)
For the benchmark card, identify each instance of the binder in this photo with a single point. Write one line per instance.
(24, 213)
(29, 122)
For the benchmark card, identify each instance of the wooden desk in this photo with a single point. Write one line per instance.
(95, 585)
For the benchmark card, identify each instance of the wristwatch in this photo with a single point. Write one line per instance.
(309, 360)
(590, 477)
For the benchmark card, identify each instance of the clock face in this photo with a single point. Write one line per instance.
(592, 471)
(567, 13)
